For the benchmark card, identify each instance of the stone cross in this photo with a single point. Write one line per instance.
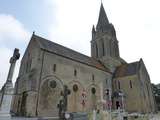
(7, 90)
(13, 60)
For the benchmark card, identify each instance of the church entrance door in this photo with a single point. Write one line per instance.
(117, 104)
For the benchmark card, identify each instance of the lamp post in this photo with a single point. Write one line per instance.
(109, 102)
(121, 94)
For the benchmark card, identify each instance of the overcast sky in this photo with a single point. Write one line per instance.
(69, 22)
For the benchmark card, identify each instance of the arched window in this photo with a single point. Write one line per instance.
(103, 50)
(75, 87)
(54, 68)
(92, 77)
(96, 49)
(130, 83)
(116, 49)
(75, 72)
(119, 85)
(93, 90)
(110, 47)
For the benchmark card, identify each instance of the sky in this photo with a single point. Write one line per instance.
(69, 23)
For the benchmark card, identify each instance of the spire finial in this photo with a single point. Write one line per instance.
(93, 29)
(102, 20)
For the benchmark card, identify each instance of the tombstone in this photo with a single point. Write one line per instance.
(79, 116)
(7, 89)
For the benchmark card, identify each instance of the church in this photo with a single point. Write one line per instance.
(101, 81)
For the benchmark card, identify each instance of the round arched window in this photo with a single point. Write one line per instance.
(75, 88)
(52, 84)
(93, 90)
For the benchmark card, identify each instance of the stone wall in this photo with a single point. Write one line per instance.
(35, 89)
(138, 91)
(129, 85)
(26, 85)
(70, 73)
(146, 89)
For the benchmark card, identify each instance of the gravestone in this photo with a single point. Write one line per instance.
(79, 116)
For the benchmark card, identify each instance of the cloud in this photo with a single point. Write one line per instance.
(74, 23)
(136, 23)
(12, 34)
(12, 31)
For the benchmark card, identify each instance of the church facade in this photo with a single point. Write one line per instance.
(102, 81)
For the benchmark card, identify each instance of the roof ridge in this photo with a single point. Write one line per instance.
(64, 47)
(61, 50)
(127, 69)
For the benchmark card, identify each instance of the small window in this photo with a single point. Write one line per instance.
(130, 83)
(96, 50)
(119, 85)
(75, 87)
(103, 50)
(52, 84)
(93, 90)
(54, 68)
(75, 72)
(92, 77)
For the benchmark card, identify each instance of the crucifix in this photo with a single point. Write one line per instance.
(12, 61)
(7, 89)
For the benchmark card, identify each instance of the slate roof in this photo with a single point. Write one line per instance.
(127, 69)
(68, 53)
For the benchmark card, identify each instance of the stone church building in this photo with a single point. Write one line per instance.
(101, 81)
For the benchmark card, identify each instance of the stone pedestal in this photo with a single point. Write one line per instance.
(7, 92)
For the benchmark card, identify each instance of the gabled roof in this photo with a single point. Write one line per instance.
(68, 53)
(127, 69)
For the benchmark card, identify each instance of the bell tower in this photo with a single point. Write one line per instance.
(104, 43)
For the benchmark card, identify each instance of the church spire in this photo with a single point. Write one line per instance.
(93, 29)
(104, 44)
(102, 20)
(93, 32)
